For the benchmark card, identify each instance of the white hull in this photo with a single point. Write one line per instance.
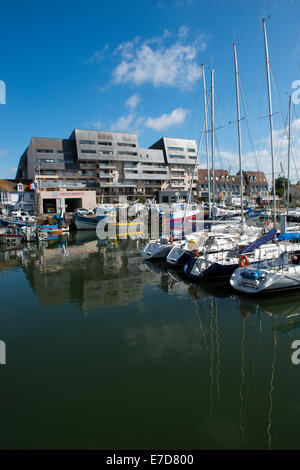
(225, 259)
(156, 250)
(267, 277)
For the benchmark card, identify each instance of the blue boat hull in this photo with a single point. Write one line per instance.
(87, 223)
(214, 271)
(182, 260)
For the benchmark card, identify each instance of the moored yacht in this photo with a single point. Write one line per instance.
(282, 273)
(157, 249)
(224, 263)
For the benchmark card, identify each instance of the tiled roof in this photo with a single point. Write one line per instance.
(11, 186)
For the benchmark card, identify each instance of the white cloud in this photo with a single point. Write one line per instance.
(3, 152)
(133, 101)
(261, 158)
(13, 170)
(98, 56)
(97, 125)
(176, 117)
(159, 61)
(183, 31)
(124, 123)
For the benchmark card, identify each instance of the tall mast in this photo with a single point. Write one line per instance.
(239, 129)
(213, 137)
(289, 157)
(270, 116)
(206, 139)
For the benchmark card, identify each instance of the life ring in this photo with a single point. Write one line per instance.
(267, 223)
(243, 261)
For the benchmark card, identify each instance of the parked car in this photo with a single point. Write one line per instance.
(82, 211)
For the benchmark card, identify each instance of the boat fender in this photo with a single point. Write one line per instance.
(171, 239)
(243, 261)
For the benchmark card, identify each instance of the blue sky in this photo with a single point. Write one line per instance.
(135, 66)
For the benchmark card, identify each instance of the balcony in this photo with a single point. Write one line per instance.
(85, 166)
(116, 185)
(106, 175)
(143, 176)
(154, 168)
(177, 169)
(106, 166)
(58, 165)
(59, 184)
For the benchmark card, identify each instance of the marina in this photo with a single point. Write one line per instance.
(150, 228)
(96, 333)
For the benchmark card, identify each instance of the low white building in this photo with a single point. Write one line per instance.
(16, 195)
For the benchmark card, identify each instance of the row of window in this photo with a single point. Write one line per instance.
(52, 151)
(106, 152)
(181, 149)
(177, 149)
(103, 142)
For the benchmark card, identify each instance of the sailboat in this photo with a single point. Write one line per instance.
(281, 273)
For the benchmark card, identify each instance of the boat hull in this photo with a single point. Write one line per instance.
(287, 278)
(153, 251)
(86, 223)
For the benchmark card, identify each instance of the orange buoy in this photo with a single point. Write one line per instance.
(243, 261)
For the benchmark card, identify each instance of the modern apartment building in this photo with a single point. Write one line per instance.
(53, 165)
(120, 167)
(94, 166)
(226, 186)
(180, 156)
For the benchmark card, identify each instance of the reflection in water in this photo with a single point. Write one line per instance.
(201, 366)
(242, 384)
(84, 270)
(269, 429)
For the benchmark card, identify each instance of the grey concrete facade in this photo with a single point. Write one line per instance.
(180, 156)
(110, 163)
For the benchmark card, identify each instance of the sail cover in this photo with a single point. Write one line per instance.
(289, 236)
(267, 237)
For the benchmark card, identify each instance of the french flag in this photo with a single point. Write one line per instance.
(34, 186)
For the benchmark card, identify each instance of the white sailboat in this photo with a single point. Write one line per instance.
(282, 273)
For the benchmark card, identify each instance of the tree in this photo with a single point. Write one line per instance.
(281, 184)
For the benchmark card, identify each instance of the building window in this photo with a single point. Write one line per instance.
(179, 149)
(128, 153)
(191, 150)
(44, 150)
(87, 142)
(102, 142)
(176, 156)
(126, 144)
(88, 151)
(20, 187)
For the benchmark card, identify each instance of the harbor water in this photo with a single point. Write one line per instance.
(105, 351)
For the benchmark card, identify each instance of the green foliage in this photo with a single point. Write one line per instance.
(281, 184)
